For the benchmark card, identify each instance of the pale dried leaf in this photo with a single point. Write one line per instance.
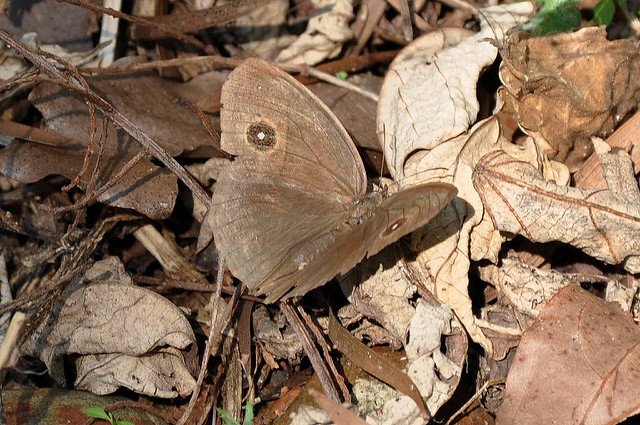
(380, 289)
(308, 415)
(325, 34)
(623, 295)
(280, 343)
(603, 223)
(429, 93)
(435, 374)
(526, 288)
(443, 244)
(421, 149)
(578, 364)
(400, 410)
(371, 395)
(569, 87)
(162, 374)
(117, 334)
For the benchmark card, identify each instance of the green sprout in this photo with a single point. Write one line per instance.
(228, 420)
(342, 75)
(100, 413)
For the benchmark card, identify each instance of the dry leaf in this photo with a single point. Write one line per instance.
(578, 364)
(435, 373)
(427, 142)
(380, 290)
(275, 338)
(429, 93)
(326, 32)
(308, 415)
(569, 87)
(149, 102)
(357, 114)
(117, 335)
(526, 288)
(603, 223)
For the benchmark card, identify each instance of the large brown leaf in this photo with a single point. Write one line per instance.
(578, 364)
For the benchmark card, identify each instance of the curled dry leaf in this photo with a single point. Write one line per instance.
(325, 34)
(117, 335)
(427, 103)
(569, 87)
(429, 93)
(525, 287)
(375, 364)
(278, 340)
(365, 329)
(380, 290)
(578, 364)
(436, 374)
(149, 102)
(603, 223)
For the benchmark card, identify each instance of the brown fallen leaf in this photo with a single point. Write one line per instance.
(374, 363)
(569, 87)
(48, 406)
(117, 335)
(356, 112)
(147, 100)
(603, 223)
(578, 364)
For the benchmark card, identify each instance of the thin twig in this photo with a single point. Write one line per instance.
(310, 350)
(216, 328)
(346, 396)
(307, 70)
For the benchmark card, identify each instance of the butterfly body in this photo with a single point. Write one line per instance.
(292, 211)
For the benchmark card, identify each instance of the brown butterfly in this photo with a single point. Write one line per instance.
(292, 211)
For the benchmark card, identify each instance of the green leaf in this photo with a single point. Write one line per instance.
(342, 75)
(226, 417)
(555, 16)
(97, 413)
(603, 11)
(248, 414)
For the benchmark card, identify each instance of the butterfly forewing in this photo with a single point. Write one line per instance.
(310, 146)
